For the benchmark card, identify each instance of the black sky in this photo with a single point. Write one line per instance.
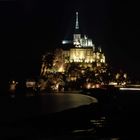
(29, 28)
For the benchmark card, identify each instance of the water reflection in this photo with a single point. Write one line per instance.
(117, 114)
(25, 106)
(59, 102)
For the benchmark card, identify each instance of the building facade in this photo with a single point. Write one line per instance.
(83, 49)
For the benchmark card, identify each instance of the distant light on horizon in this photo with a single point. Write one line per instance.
(129, 88)
(66, 42)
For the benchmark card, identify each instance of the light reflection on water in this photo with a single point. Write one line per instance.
(121, 118)
(60, 102)
(19, 107)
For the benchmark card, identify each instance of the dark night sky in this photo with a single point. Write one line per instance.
(29, 28)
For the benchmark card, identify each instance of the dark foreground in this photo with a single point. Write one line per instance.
(115, 116)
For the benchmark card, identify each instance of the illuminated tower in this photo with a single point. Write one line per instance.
(77, 35)
(77, 22)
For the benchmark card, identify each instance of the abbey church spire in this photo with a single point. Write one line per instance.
(77, 35)
(77, 21)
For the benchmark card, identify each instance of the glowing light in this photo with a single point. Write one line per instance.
(129, 88)
(82, 71)
(88, 86)
(13, 85)
(56, 87)
(125, 75)
(97, 85)
(30, 84)
(113, 83)
(65, 42)
(117, 76)
(73, 78)
(93, 86)
(124, 83)
(61, 69)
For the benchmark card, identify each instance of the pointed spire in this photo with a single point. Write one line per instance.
(77, 22)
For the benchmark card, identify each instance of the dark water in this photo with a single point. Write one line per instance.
(28, 106)
(122, 112)
(116, 115)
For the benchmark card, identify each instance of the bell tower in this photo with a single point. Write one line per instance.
(77, 35)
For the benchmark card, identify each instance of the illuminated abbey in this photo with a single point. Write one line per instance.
(76, 64)
(82, 51)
